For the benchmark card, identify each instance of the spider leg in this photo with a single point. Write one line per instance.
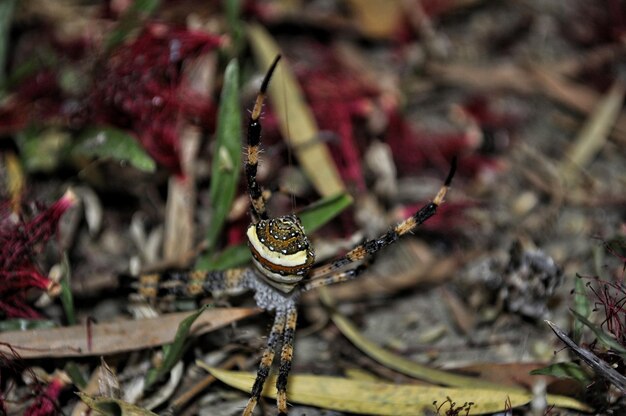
(278, 329)
(286, 356)
(334, 278)
(259, 210)
(372, 246)
(192, 283)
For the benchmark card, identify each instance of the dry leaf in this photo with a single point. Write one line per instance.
(296, 120)
(594, 133)
(113, 337)
(367, 397)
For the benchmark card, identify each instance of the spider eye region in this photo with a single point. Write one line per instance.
(281, 250)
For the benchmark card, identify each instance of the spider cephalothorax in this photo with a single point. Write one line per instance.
(281, 250)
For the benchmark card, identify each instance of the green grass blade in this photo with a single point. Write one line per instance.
(20, 324)
(111, 143)
(230, 257)
(324, 210)
(6, 14)
(136, 12)
(174, 351)
(72, 370)
(564, 370)
(235, 26)
(582, 306)
(602, 336)
(227, 157)
(67, 299)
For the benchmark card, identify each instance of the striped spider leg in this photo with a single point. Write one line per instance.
(282, 265)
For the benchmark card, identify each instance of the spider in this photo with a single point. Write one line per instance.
(282, 264)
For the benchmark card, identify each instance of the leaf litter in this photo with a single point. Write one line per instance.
(446, 79)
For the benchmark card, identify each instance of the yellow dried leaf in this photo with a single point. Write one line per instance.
(367, 397)
(15, 181)
(375, 18)
(594, 133)
(413, 369)
(296, 121)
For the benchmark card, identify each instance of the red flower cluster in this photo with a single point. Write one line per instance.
(140, 88)
(46, 401)
(338, 98)
(20, 241)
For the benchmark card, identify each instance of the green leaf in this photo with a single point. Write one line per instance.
(111, 143)
(67, 299)
(581, 305)
(42, 150)
(75, 374)
(602, 336)
(563, 370)
(235, 25)
(227, 157)
(313, 217)
(324, 210)
(229, 258)
(381, 398)
(25, 324)
(174, 351)
(6, 14)
(136, 12)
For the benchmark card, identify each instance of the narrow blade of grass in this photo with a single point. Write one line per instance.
(230, 257)
(296, 120)
(6, 14)
(227, 157)
(235, 25)
(67, 299)
(594, 133)
(75, 374)
(602, 336)
(564, 370)
(582, 306)
(136, 12)
(174, 351)
(111, 143)
(398, 363)
(312, 217)
(324, 210)
(367, 397)
(25, 324)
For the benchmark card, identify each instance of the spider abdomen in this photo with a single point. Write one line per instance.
(281, 250)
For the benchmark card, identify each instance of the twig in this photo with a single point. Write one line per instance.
(600, 367)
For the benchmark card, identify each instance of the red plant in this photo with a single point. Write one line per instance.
(611, 296)
(20, 242)
(338, 97)
(140, 88)
(45, 403)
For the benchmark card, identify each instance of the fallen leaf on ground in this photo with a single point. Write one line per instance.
(367, 397)
(113, 337)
